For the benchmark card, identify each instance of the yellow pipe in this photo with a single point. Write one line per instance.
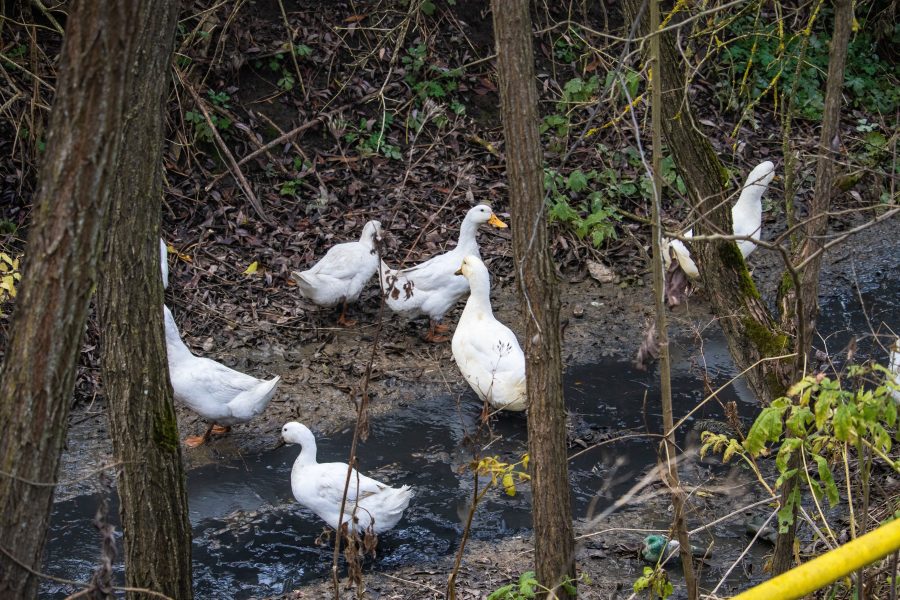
(829, 567)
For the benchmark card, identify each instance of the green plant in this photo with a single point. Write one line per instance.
(431, 81)
(655, 581)
(7, 227)
(578, 201)
(276, 63)
(370, 137)
(289, 188)
(525, 588)
(9, 275)
(569, 46)
(199, 123)
(762, 59)
(528, 587)
(580, 91)
(819, 421)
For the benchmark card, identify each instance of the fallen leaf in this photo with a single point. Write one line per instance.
(601, 272)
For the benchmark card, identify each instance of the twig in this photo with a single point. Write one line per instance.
(743, 554)
(361, 420)
(882, 217)
(87, 586)
(233, 165)
(287, 27)
(49, 15)
(89, 475)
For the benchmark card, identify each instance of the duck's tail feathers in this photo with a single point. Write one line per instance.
(304, 282)
(252, 402)
(393, 502)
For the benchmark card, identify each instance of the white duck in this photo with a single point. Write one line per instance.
(339, 276)
(746, 218)
(320, 488)
(431, 288)
(164, 262)
(485, 350)
(221, 395)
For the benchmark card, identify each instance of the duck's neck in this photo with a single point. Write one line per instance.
(175, 348)
(468, 237)
(367, 238)
(748, 208)
(479, 296)
(307, 451)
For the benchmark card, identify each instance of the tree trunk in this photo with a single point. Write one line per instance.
(670, 456)
(813, 240)
(66, 237)
(539, 297)
(135, 372)
(750, 329)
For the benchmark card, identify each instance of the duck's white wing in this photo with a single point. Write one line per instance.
(493, 347)
(328, 480)
(205, 381)
(343, 261)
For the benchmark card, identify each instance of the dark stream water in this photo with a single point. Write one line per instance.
(251, 539)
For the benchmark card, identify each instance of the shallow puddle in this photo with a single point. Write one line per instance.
(251, 539)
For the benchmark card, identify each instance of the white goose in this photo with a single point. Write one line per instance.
(320, 488)
(339, 276)
(221, 395)
(746, 218)
(487, 351)
(431, 288)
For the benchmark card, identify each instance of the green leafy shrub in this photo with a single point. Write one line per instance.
(818, 420)
(371, 137)
(761, 61)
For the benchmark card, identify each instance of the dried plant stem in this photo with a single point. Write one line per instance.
(229, 157)
(360, 430)
(476, 498)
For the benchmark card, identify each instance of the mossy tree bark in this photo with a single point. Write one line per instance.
(134, 366)
(539, 297)
(64, 246)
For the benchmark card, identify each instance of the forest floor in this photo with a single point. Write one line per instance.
(405, 128)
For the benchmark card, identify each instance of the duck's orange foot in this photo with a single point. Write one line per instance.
(194, 441)
(435, 338)
(345, 321)
(219, 430)
(435, 330)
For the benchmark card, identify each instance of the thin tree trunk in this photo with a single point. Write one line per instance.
(154, 512)
(65, 241)
(815, 229)
(539, 296)
(670, 457)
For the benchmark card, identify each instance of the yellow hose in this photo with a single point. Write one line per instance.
(829, 567)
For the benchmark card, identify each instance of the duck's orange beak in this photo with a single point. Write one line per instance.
(496, 222)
